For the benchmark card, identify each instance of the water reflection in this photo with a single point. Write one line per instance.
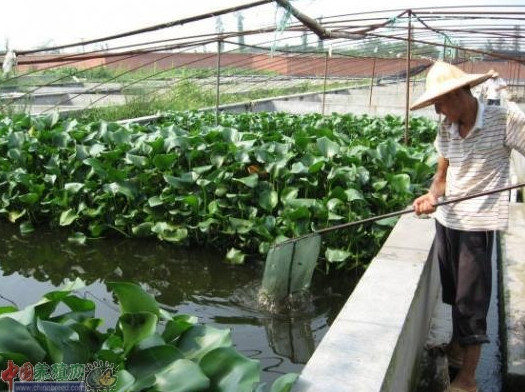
(194, 282)
(294, 340)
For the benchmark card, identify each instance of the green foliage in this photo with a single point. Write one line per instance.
(151, 349)
(239, 186)
(102, 73)
(184, 95)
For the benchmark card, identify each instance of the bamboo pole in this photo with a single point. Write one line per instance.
(217, 91)
(407, 95)
(518, 81)
(324, 83)
(372, 82)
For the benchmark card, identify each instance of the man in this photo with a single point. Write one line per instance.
(9, 63)
(474, 144)
(492, 89)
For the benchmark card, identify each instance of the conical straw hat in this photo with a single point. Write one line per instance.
(443, 78)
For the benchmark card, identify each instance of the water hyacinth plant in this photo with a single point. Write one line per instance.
(239, 186)
(149, 349)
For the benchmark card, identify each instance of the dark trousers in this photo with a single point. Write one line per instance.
(466, 278)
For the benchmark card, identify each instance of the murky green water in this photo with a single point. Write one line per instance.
(193, 282)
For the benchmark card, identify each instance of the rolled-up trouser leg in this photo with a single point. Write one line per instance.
(466, 276)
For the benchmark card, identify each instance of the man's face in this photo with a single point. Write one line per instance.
(449, 105)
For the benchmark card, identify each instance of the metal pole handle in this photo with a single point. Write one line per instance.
(409, 210)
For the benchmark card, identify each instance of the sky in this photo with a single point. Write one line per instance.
(29, 24)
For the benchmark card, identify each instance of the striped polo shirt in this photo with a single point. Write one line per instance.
(477, 163)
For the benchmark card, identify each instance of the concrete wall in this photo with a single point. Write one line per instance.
(378, 101)
(513, 299)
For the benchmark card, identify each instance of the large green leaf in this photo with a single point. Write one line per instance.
(16, 139)
(164, 161)
(136, 160)
(177, 326)
(29, 198)
(16, 338)
(201, 339)
(145, 364)
(133, 299)
(353, 194)
(231, 135)
(143, 229)
(68, 217)
(73, 187)
(15, 215)
(95, 150)
(49, 302)
(250, 181)
(125, 381)
(182, 375)
(268, 199)
(8, 309)
(136, 327)
(79, 305)
(168, 232)
(126, 188)
(400, 183)
(299, 168)
(241, 226)
(386, 153)
(64, 291)
(235, 256)
(336, 255)
(301, 202)
(229, 370)
(327, 147)
(284, 383)
(62, 343)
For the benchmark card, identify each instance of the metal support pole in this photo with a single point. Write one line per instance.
(518, 81)
(324, 83)
(409, 54)
(217, 92)
(372, 82)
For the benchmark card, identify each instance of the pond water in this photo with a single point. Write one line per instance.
(194, 282)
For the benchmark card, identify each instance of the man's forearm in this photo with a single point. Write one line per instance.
(438, 186)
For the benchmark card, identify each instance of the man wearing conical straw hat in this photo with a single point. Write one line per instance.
(492, 89)
(474, 143)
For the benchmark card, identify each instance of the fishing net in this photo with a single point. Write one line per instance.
(288, 272)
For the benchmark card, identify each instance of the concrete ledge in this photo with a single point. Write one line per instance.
(513, 271)
(376, 340)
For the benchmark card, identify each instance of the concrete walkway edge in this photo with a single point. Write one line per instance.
(513, 300)
(376, 340)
